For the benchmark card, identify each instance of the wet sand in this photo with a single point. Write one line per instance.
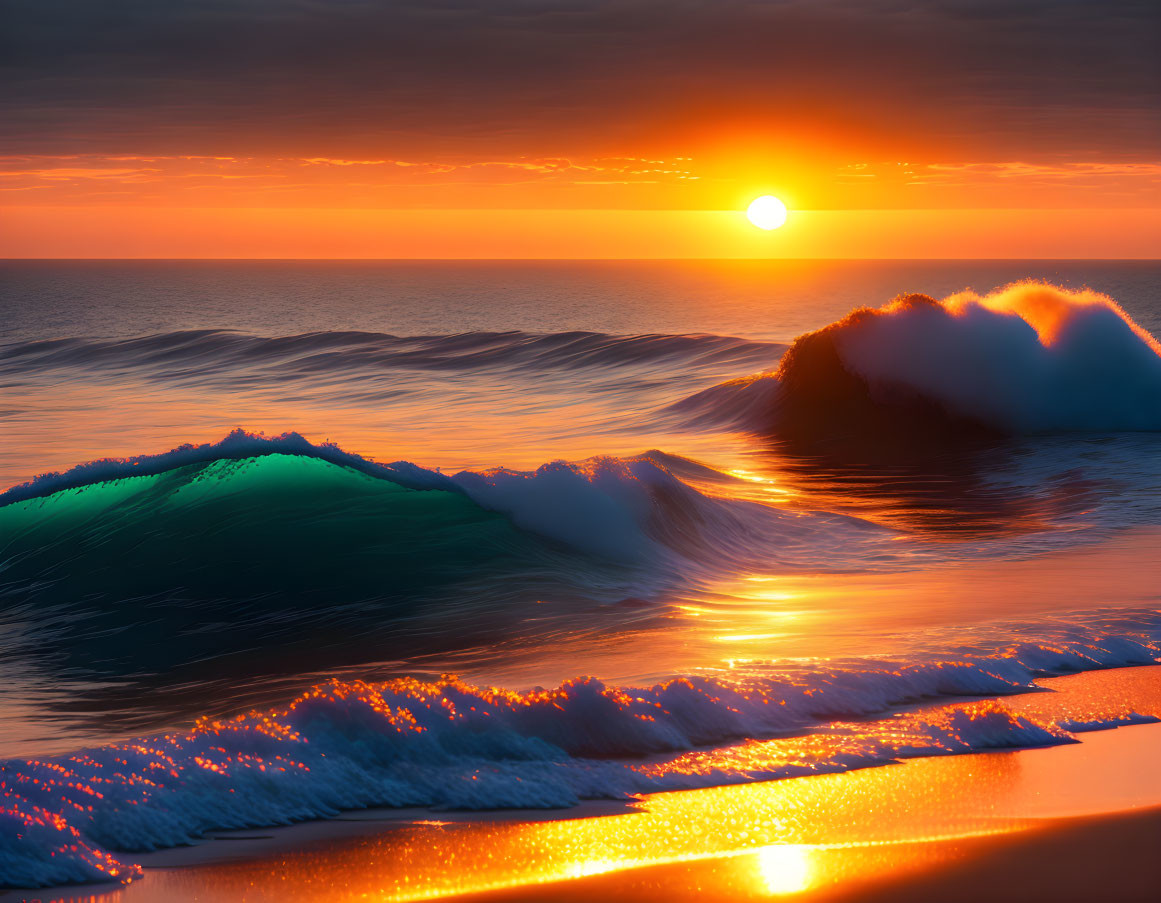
(1074, 822)
(1100, 858)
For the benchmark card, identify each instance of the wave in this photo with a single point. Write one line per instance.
(300, 554)
(626, 509)
(1027, 358)
(318, 559)
(447, 744)
(201, 353)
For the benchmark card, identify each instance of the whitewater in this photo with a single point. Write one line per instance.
(252, 576)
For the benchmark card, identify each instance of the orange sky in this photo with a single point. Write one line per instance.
(295, 232)
(592, 129)
(683, 206)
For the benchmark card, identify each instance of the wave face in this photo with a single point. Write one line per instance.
(629, 510)
(1028, 358)
(448, 744)
(299, 556)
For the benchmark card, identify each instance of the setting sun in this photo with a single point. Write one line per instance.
(766, 212)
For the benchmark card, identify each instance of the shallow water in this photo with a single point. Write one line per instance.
(811, 837)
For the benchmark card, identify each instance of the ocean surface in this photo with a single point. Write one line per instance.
(283, 538)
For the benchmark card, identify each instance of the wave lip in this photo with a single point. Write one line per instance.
(448, 744)
(1027, 358)
(238, 445)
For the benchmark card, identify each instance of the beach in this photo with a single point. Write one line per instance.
(1066, 822)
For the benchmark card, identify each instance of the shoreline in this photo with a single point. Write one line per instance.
(890, 820)
(1106, 857)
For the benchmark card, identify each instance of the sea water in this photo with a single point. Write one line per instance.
(293, 499)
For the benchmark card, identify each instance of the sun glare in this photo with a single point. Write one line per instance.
(766, 212)
(785, 868)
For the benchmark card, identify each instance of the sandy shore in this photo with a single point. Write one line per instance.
(1099, 858)
(1075, 822)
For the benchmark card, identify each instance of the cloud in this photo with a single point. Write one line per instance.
(70, 178)
(363, 80)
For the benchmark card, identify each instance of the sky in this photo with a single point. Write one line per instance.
(580, 128)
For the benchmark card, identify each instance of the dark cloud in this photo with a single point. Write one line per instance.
(1014, 79)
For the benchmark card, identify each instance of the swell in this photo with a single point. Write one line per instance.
(447, 744)
(197, 353)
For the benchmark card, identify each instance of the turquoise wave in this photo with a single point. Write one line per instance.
(272, 563)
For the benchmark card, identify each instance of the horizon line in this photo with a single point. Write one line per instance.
(577, 259)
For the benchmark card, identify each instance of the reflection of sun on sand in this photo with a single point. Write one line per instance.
(785, 869)
(868, 834)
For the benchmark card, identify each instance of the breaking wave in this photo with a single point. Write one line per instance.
(623, 509)
(447, 744)
(1027, 358)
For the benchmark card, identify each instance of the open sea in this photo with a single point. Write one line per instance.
(279, 539)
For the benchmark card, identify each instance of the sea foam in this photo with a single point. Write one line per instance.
(448, 744)
(1027, 358)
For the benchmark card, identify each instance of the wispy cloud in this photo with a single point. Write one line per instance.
(70, 177)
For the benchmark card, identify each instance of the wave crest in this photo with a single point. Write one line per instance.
(630, 510)
(1027, 358)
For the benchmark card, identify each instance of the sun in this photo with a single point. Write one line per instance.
(766, 212)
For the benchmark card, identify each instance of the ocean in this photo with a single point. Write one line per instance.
(283, 538)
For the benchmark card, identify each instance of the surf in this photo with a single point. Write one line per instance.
(1028, 358)
(448, 744)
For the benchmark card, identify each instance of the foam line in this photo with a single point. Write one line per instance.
(448, 744)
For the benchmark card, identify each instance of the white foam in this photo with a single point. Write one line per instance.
(449, 744)
(1026, 358)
